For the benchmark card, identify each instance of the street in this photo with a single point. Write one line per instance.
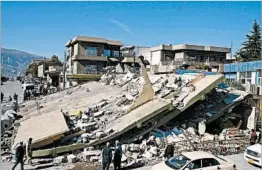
(10, 88)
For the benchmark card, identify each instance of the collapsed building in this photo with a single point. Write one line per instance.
(134, 109)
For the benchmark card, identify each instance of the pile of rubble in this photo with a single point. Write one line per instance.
(90, 120)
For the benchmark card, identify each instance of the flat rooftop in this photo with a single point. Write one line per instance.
(93, 39)
(181, 47)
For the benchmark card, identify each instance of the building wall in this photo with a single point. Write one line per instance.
(179, 56)
(155, 57)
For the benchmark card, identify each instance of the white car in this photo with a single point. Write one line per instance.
(253, 154)
(196, 160)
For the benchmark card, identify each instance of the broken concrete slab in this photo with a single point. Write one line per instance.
(44, 129)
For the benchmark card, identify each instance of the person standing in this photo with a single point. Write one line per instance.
(16, 97)
(253, 137)
(106, 157)
(19, 156)
(118, 155)
(169, 152)
(2, 97)
(29, 151)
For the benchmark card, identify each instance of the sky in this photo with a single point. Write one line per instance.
(43, 28)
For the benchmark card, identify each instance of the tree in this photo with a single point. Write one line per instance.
(251, 48)
(55, 61)
(33, 67)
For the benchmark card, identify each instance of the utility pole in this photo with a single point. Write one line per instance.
(64, 68)
(230, 63)
(134, 55)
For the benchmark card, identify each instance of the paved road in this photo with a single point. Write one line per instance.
(10, 88)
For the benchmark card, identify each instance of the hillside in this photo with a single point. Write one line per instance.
(14, 61)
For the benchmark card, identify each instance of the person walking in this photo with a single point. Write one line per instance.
(106, 157)
(169, 151)
(118, 155)
(19, 156)
(253, 137)
(29, 151)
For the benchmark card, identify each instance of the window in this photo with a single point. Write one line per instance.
(209, 162)
(91, 51)
(116, 53)
(245, 77)
(260, 77)
(248, 78)
(90, 69)
(194, 164)
(107, 53)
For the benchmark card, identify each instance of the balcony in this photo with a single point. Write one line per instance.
(89, 57)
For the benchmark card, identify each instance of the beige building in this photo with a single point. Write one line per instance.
(87, 56)
(171, 56)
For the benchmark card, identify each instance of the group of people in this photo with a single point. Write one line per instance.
(10, 98)
(21, 151)
(107, 156)
(29, 94)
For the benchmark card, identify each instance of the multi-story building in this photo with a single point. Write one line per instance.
(130, 54)
(249, 74)
(177, 55)
(87, 56)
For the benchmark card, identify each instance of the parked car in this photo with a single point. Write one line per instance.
(253, 154)
(196, 160)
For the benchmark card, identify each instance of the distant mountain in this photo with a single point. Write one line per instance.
(14, 62)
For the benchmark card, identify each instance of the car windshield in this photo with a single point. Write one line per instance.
(177, 162)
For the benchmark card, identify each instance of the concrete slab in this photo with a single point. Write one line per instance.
(135, 118)
(41, 128)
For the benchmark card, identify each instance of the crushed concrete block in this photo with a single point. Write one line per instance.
(191, 130)
(86, 135)
(153, 150)
(59, 160)
(94, 158)
(99, 114)
(208, 137)
(92, 152)
(71, 158)
(86, 125)
(134, 147)
(100, 134)
(124, 158)
(147, 155)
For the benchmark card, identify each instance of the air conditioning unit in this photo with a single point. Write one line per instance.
(253, 89)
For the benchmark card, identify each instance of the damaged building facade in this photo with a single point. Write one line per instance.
(249, 75)
(87, 56)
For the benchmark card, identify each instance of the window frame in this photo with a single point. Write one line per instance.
(245, 77)
(91, 54)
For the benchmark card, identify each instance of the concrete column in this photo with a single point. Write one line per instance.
(253, 77)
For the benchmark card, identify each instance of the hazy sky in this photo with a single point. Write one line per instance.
(44, 27)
